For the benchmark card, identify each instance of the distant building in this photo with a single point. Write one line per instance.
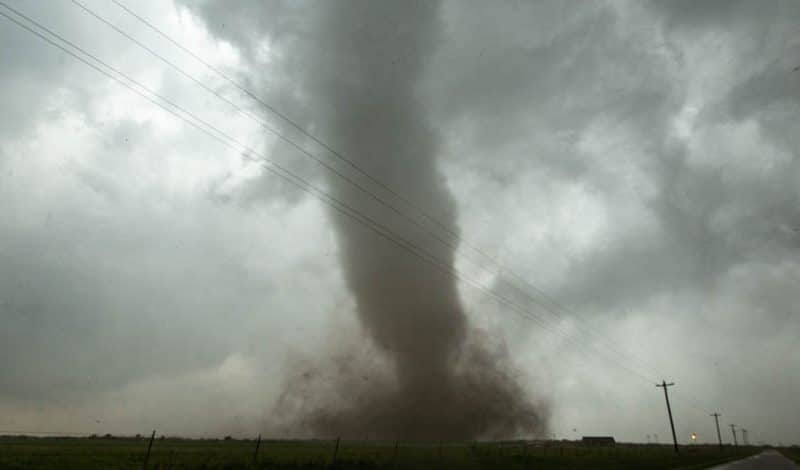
(598, 441)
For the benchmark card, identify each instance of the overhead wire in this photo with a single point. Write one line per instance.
(337, 205)
(273, 167)
(290, 121)
(263, 124)
(553, 307)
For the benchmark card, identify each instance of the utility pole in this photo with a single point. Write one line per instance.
(255, 454)
(335, 453)
(744, 436)
(733, 430)
(664, 385)
(149, 447)
(719, 435)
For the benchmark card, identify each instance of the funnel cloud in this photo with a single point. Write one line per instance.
(362, 78)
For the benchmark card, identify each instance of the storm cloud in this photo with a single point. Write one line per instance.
(636, 161)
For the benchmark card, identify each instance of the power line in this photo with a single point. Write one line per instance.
(343, 158)
(331, 201)
(297, 146)
(275, 168)
(287, 119)
(550, 305)
(198, 82)
(261, 123)
(302, 184)
(314, 191)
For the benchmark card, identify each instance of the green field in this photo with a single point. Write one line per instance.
(171, 453)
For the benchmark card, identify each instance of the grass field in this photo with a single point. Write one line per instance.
(170, 453)
(792, 453)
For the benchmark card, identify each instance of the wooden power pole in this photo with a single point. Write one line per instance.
(255, 454)
(664, 385)
(719, 435)
(149, 447)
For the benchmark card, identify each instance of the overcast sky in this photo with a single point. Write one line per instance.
(637, 162)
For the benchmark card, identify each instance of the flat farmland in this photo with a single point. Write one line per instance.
(21, 452)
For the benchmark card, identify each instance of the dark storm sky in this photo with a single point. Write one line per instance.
(636, 161)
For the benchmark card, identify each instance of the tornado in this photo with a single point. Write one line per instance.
(362, 69)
